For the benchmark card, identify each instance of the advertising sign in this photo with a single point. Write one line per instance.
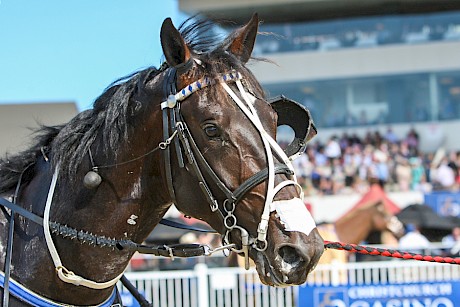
(430, 294)
(444, 203)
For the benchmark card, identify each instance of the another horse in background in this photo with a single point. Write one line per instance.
(197, 132)
(356, 225)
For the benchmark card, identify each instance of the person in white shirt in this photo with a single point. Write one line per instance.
(413, 241)
(332, 149)
(444, 175)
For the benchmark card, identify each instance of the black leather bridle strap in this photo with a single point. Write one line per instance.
(186, 138)
(185, 226)
(167, 157)
(19, 210)
(258, 178)
(178, 250)
(201, 159)
(169, 88)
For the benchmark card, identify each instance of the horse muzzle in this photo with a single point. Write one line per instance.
(290, 262)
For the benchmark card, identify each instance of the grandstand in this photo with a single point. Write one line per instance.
(366, 65)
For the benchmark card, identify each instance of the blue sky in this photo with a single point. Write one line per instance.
(70, 50)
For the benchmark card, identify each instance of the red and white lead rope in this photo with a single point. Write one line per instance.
(368, 250)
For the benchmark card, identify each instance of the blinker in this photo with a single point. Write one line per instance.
(296, 116)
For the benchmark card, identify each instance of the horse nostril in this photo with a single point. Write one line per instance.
(290, 255)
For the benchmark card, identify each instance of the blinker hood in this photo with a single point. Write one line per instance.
(298, 118)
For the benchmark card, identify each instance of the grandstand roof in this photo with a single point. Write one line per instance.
(273, 11)
(17, 122)
(376, 194)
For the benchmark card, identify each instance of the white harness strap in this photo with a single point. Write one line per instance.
(269, 144)
(63, 273)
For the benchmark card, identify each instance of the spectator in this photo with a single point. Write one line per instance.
(379, 168)
(417, 173)
(404, 149)
(413, 241)
(337, 176)
(457, 161)
(444, 176)
(356, 161)
(320, 157)
(390, 136)
(303, 169)
(365, 164)
(403, 174)
(344, 142)
(350, 165)
(332, 149)
(412, 140)
(453, 241)
(325, 173)
(453, 163)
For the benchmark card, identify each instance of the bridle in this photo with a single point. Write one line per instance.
(173, 121)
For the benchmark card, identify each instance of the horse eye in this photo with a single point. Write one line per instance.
(211, 130)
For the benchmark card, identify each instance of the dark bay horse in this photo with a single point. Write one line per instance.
(197, 132)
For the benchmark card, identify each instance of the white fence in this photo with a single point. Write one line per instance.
(225, 287)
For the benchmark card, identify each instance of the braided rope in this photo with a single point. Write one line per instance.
(374, 251)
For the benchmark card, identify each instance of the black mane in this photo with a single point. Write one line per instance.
(68, 144)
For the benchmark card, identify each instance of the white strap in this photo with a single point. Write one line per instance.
(64, 274)
(251, 113)
(274, 145)
(269, 144)
(285, 184)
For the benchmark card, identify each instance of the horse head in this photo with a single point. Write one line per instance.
(227, 132)
(386, 221)
(356, 224)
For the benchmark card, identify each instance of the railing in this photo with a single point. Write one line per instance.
(384, 272)
(204, 287)
(225, 287)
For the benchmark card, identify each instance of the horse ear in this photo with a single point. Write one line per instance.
(241, 41)
(174, 47)
(380, 206)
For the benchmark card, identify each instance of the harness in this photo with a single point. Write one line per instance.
(175, 130)
(34, 299)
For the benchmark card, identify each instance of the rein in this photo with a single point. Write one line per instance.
(374, 251)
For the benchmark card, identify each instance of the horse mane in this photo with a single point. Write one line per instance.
(68, 144)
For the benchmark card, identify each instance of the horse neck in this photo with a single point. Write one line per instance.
(356, 227)
(129, 199)
(124, 206)
(132, 196)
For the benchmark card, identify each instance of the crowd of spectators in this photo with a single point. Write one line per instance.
(348, 163)
(353, 33)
